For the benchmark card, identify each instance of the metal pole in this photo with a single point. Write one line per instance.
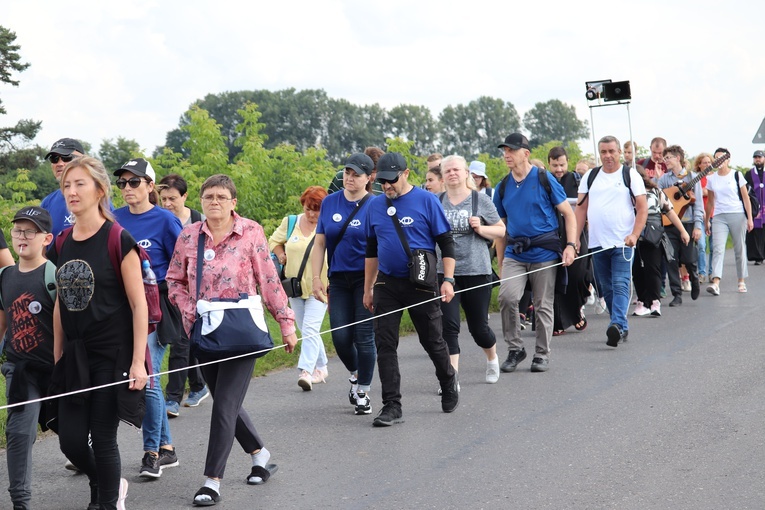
(594, 146)
(632, 140)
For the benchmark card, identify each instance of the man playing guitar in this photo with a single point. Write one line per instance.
(692, 217)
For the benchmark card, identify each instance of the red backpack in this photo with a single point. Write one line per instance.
(114, 245)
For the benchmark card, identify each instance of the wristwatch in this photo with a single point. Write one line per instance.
(450, 280)
(573, 245)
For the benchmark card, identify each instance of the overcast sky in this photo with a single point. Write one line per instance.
(106, 69)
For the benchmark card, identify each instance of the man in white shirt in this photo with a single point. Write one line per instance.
(613, 202)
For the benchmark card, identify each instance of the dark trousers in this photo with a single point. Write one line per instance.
(228, 383)
(646, 272)
(686, 255)
(180, 357)
(96, 416)
(392, 294)
(475, 302)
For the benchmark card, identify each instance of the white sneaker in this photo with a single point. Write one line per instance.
(686, 285)
(640, 310)
(492, 371)
(713, 289)
(591, 297)
(305, 380)
(123, 494)
(656, 308)
(600, 306)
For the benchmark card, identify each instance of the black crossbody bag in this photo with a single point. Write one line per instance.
(422, 263)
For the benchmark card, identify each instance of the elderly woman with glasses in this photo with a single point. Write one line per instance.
(236, 260)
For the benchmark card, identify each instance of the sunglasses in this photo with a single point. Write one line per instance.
(389, 181)
(133, 181)
(55, 157)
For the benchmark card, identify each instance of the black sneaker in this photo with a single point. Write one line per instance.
(540, 364)
(614, 334)
(513, 358)
(354, 388)
(389, 415)
(450, 394)
(676, 302)
(695, 288)
(150, 466)
(363, 404)
(167, 458)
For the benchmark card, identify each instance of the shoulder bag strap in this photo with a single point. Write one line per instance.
(474, 200)
(399, 230)
(200, 257)
(305, 258)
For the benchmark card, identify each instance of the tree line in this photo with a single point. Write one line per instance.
(310, 118)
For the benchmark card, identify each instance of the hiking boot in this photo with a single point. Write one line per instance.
(195, 397)
(150, 466)
(389, 415)
(363, 404)
(513, 358)
(450, 394)
(173, 409)
(167, 458)
(614, 334)
(540, 364)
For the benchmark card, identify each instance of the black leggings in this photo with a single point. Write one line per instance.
(96, 416)
(475, 302)
(646, 272)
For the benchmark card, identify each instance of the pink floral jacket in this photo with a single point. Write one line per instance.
(239, 263)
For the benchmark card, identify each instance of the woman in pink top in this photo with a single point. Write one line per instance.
(236, 259)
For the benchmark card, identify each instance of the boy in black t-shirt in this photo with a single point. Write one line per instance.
(26, 310)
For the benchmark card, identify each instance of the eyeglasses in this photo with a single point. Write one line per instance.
(389, 181)
(215, 198)
(669, 157)
(133, 181)
(55, 157)
(17, 233)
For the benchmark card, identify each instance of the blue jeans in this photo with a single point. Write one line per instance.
(613, 272)
(355, 345)
(156, 430)
(702, 246)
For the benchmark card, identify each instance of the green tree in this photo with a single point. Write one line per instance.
(572, 149)
(554, 120)
(21, 186)
(477, 127)
(116, 153)
(10, 62)
(412, 123)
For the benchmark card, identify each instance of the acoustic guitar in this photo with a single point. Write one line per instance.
(681, 194)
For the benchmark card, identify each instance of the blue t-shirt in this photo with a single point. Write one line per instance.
(56, 206)
(422, 219)
(155, 231)
(335, 209)
(530, 212)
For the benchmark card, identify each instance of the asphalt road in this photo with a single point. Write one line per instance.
(671, 419)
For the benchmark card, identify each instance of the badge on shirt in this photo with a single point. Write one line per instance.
(391, 211)
(337, 217)
(209, 254)
(34, 307)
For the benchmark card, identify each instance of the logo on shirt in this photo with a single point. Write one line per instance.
(406, 221)
(69, 219)
(355, 223)
(144, 243)
(76, 284)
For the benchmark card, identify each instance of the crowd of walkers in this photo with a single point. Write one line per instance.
(75, 315)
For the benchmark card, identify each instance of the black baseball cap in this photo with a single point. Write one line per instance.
(65, 147)
(36, 215)
(758, 154)
(390, 165)
(360, 163)
(515, 141)
(139, 167)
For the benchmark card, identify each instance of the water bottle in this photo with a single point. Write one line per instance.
(151, 290)
(149, 278)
